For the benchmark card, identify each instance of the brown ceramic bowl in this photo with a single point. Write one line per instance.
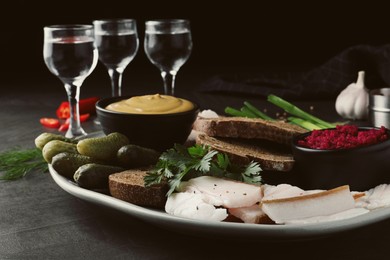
(362, 168)
(157, 131)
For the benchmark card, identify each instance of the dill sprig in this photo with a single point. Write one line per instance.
(17, 162)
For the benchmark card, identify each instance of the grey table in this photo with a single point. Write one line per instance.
(38, 220)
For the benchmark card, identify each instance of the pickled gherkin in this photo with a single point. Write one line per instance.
(102, 148)
(66, 163)
(132, 156)
(55, 147)
(94, 176)
(44, 138)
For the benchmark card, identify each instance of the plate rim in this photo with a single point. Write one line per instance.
(226, 229)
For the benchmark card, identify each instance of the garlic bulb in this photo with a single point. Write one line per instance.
(352, 102)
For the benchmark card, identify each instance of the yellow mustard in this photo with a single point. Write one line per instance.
(151, 104)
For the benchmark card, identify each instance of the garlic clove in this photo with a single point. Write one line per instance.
(360, 80)
(361, 106)
(352, 102)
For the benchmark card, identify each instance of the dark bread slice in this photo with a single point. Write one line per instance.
(129, 186)
(243, 153)
(249, 128)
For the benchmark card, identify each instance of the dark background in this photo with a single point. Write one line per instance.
(228, 36)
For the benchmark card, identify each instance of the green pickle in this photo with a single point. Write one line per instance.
(55, 147)
(132, 156)
(94, 176)
(44, 138)
(66, 163)
(102, 148)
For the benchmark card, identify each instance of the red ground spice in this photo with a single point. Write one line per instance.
(343, 137)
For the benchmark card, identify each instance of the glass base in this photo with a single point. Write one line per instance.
(75, 133)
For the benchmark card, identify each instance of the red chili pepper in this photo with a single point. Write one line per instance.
(50, 122)
(65, 126)
(84, 117)
(86, 106)
(63, 111)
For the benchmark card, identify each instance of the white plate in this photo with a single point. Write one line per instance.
(223, 229)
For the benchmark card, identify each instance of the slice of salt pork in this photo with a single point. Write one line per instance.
(223, 192)
(253, 214)
(193, 206)
(322, 203)
(374, 198)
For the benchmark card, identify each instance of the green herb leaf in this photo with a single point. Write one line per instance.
(197, 151)
(181, 163)
(17, 162)
(223, 161)
(251, 173)
(203, 164)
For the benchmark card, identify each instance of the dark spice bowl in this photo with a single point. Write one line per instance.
(156, 131)
(362, 168)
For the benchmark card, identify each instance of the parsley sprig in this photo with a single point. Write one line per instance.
(17, 162)
(182, 163)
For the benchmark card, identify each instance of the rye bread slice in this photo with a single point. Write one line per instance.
(248, 128)
(129, 186)
(243, 153)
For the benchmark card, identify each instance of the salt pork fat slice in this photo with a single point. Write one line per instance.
(253, 214)
(374, 198)
(306, 206)
(222, 192)
(193, 206)
(281, 191)
(346, 214)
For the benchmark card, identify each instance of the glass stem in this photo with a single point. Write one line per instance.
(169, 82)
(116, 82)
(75, 129)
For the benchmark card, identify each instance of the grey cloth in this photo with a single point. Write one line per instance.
(323, 82)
